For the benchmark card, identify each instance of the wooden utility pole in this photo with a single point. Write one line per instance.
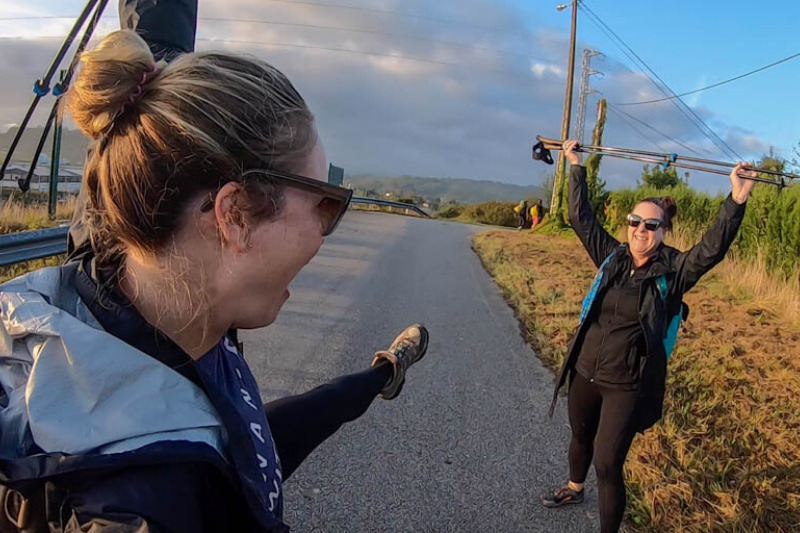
(558, 182)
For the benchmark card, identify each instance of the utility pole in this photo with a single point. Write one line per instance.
(558, 182)
(585, 91)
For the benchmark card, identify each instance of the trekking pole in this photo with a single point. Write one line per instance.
(42, 86)
(55, 162)
(61, 88)
(541, 152)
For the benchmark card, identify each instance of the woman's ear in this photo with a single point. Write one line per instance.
(229, 211)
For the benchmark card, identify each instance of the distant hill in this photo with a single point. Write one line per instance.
(73, 145)
(447, 189)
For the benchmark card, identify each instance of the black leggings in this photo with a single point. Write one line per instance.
(602, 428)
(301, 423)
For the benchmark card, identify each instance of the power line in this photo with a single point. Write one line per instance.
(634, 127)
(304, 47)
(349, 51)
(391, 12)
(687, 111)
(785, 59)
(645, 124)
(325, 27)
(331, 49)
(352, 7)
(661, 85)
(378, 32)
(317, 4)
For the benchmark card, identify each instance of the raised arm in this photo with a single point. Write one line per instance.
(594, 237)
(716, 241)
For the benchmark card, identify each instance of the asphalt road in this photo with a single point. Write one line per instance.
(468, 445)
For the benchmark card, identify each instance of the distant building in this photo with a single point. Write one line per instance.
(335, 175)
(69, 177)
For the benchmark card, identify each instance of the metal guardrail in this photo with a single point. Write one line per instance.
(29, 245)
(386, 203)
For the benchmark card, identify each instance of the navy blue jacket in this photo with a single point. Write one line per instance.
(161, 486)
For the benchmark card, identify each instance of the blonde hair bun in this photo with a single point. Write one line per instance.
(112, 79)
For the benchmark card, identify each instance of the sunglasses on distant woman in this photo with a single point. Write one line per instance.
(331, 208)
(650, 224)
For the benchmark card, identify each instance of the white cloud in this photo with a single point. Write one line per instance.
(400, 67)
(694, 99)
(540, 69)
(16, 9)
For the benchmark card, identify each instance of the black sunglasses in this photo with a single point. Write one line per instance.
(650, 224)
(331, 208)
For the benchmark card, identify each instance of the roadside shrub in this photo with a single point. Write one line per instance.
(771, 226)
(451, 211)
(493, 213)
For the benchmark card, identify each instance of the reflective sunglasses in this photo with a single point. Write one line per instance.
(331, 208)
(650, 224)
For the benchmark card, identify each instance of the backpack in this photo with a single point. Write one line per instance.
(674, 325)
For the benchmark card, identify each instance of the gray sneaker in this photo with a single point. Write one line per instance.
(408, 348)
(563, 496)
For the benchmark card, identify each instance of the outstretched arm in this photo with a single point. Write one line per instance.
(301, 423)
(594, 237)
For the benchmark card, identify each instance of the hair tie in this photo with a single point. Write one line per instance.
(137, 91)
(134, 95)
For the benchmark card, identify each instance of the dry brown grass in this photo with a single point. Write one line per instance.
(751, 279)
(16, 216)
(726, 456)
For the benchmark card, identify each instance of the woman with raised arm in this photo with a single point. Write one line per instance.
(616, 365)
(125, 404)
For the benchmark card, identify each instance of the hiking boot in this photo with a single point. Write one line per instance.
(563, 496)
(408, 348)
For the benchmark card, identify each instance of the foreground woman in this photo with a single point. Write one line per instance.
(126, 405)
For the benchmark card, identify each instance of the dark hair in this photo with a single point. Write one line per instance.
(668, 206)
(169, 133)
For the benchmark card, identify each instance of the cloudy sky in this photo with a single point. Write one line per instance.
(460, 88)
